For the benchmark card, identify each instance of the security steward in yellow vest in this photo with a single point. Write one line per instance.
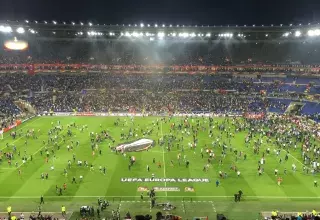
(63, 210)
(314, 212)
(9, 210)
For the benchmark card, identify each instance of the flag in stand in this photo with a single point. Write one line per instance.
(31, 69)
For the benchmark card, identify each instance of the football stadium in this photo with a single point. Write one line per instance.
(153, 121)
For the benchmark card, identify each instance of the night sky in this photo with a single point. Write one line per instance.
(187, 12)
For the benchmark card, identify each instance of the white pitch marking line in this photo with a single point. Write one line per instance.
(213, 207)
(184, 211)
(150, 207)
(164, 162)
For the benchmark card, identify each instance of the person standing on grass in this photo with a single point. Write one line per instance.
(279, 181)
(63, 210)
(41, 200)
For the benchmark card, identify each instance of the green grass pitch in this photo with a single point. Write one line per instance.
(261, 193)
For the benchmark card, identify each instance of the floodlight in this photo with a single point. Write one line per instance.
(208, 35)
(5, 29)
(156, 25)
(73, 23)
(142, 25)
(20, 30)
(310, 33)
(286, 34)
(90, 24)
(297, 33)
(161, 34)
(54, 22)
(26, 21)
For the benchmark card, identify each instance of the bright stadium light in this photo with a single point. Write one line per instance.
(156, 25)
(170, 25)
(286, 34)
(5, 29)
(81, 23)
(54, 22)
(192, 35)
(20, 30)
(148, 25)
(161, 35)
(208, 35)
(141, 25)
(90, 24)
(297, 33)
(174, 34)
(73, 23)
(127, 34)
(27, 21)
(317, 32)
(45, 22)
(36, 22)
(310, 33)
(135, 34)
(163, 25)
(32, 31)
(184, 35)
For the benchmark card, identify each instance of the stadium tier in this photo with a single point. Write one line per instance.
(173, 122)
